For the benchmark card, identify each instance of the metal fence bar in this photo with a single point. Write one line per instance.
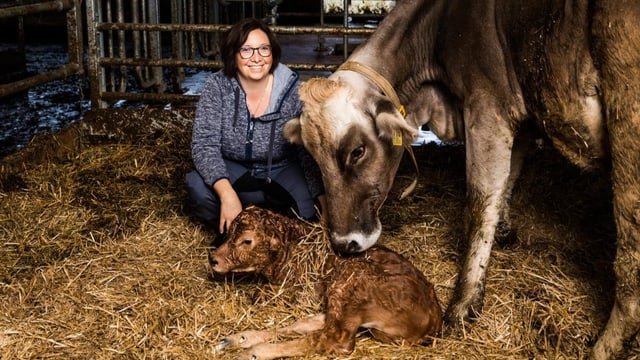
(111, 36)
(24, 10)
(95, 50)
(74, 38)
(39, 79)
(204, 64)
(290, 30)
(150, 97)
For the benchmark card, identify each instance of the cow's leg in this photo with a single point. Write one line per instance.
(616, 29)
(246, 339)
(489, 140)
(505, 234)
(624, 320)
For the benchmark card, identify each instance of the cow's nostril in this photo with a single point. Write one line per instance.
(346, 247)
(353, 247)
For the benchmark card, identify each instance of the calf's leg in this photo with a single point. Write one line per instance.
(266, 351)
(337, 336)
(247, 339)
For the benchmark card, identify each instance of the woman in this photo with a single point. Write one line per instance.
(238, 149)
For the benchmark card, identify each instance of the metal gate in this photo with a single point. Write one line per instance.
(74, 41)
(138, 51)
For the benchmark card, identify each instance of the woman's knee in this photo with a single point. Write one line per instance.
(204, 202)
(307, 209)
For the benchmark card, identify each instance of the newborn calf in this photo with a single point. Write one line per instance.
(378, 290)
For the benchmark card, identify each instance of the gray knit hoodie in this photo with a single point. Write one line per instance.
(223, 128)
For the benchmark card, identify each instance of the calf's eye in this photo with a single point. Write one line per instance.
(247, 242)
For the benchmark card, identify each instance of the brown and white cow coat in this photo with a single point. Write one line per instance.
(483, 72)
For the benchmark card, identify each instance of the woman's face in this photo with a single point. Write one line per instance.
(256, 67)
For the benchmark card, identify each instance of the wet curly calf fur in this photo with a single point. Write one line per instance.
(378, 290)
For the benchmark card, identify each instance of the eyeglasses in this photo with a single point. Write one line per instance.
(247, 51)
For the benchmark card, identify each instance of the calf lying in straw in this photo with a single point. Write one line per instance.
(378, 290)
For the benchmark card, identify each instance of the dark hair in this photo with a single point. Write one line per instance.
(233, 39)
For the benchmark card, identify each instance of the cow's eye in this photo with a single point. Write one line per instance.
(357, 153)
(247, 242)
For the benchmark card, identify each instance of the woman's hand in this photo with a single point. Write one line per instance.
(230, 205)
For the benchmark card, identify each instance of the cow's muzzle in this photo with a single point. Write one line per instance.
(355, 242)
(351, 247)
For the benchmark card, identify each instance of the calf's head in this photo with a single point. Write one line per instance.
(256, 243)
(349, 128)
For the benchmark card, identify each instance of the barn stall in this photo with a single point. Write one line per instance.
(101, 258)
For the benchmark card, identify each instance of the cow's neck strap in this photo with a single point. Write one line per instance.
(388, 90)
(378, 79)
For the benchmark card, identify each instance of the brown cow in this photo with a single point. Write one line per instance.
(483, 72)
(378, 290)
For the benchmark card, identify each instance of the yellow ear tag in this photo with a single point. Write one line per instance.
(396, 138)
(402, 111)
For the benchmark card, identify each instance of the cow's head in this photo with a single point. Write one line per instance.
(348, 128)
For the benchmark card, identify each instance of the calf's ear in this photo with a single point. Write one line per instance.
(275, 242)
(293, 131)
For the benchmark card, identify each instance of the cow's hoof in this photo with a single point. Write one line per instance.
(506, 237)
(458, 316)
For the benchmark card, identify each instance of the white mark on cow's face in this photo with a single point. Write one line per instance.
(325, 124)
(342, 112)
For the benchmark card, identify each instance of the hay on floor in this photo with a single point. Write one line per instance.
(100, 258)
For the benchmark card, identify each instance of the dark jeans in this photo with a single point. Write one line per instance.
(287, 190)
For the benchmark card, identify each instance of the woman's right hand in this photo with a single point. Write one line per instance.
(230, 205)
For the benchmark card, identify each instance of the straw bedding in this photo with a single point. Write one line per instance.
(100, 258)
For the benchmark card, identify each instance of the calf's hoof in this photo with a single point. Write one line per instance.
(246, 339)
(223, 344)
(248, 356)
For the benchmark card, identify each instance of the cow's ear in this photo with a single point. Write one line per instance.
(293, 131)
(392, 126)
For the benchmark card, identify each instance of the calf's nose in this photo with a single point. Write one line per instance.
(212, 260)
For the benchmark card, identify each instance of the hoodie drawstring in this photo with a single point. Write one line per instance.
(270, 159)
